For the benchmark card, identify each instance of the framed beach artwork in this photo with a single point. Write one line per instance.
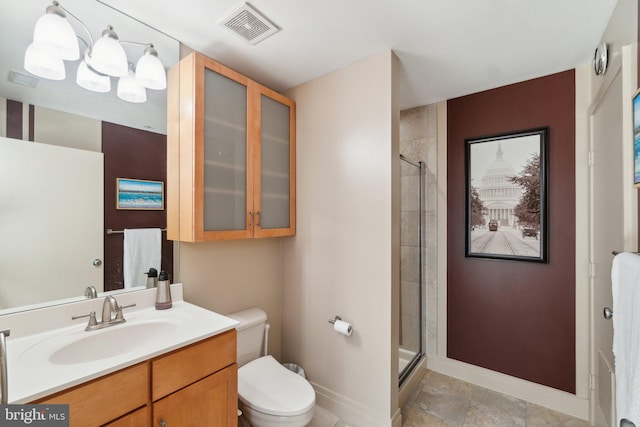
(137, 194)
(506, 196)
(636, 139)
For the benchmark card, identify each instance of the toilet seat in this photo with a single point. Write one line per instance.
(268, 387)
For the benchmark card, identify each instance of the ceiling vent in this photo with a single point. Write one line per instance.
(22, 79)
(249, 24)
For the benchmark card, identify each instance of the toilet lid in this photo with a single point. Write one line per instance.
(270, 388)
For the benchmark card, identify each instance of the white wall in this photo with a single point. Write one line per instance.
(229, 276)
(344, 258)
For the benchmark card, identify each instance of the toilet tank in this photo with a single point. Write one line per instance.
(250, 333)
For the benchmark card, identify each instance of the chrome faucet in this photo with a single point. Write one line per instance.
(109, 307)
(91, 292)
(111, 315)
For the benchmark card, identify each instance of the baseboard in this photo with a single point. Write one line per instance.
(353, 412)
(548, 397)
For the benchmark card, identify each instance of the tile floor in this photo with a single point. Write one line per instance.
(441, 401)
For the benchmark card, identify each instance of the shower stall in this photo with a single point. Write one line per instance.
(411, 271)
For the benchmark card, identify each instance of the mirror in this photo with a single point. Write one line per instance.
(65, 96)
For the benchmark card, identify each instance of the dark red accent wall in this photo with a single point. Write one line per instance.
(515, 317)
(14, 119)
(131, 153)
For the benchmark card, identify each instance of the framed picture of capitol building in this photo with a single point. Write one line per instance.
(506, 196)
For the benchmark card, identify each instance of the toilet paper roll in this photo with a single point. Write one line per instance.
(343, 328)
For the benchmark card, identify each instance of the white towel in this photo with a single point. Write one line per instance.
(142, 250)
(625, 281)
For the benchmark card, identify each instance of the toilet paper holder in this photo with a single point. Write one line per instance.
(333, 321)
(341, 327)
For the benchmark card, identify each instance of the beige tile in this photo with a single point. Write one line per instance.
(413, 123)
(481, 416)
(416, 417)
(538, 416)
(442, 384)
(446, 406)
(500, 407)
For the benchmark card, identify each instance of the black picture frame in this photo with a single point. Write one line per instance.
(506, 183)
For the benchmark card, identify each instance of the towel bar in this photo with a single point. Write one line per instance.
(110, 231)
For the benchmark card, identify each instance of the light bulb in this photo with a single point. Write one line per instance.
(130, 90)
(150, 71)
(108, 56)
(38, 61)
(55, 32)
(91, 80)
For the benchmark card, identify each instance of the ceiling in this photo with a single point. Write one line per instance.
(446, 48)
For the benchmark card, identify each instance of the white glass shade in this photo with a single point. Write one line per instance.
(150, 72)
(92, 81)
(55, 32)
(130, 90)
(108, 57)
(39, 62)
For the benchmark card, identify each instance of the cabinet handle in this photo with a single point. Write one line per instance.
(163, 423)
(258, 221)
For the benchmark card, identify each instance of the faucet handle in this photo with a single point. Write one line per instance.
(92, 319)
(119, 315)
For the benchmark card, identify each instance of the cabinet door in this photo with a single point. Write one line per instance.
(139, 418)
(274, 164)
(214, 179)
(106, 398)
(211, 402)
(226, 178)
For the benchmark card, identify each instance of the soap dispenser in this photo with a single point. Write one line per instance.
(152, 278)
(163, 294)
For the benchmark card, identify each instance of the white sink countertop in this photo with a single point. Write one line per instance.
(48, 352)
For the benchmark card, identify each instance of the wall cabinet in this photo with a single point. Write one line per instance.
(195, 385)
(230, 155)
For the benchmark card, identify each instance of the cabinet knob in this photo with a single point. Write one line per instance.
(163, 423)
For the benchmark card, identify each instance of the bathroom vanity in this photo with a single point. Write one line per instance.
(160, 368)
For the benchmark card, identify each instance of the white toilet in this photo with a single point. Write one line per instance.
(270, 395)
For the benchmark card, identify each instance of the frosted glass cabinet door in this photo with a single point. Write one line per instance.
(225, 153)
(231, 155)
(274, 159)
(275, 190)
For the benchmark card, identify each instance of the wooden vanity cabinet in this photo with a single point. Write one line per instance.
(196, 385)
(230, 155)
(105, 399)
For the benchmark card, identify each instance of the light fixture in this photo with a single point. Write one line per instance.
(55, 40)
(130, 90)
(56, 35)
(107, 56)
(39, 62)
(150, 71)
(90, 80)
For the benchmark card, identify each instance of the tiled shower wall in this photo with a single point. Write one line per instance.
(418, 143)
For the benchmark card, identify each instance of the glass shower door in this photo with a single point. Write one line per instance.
(411, 241)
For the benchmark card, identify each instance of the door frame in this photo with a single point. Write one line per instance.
(626, 65)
